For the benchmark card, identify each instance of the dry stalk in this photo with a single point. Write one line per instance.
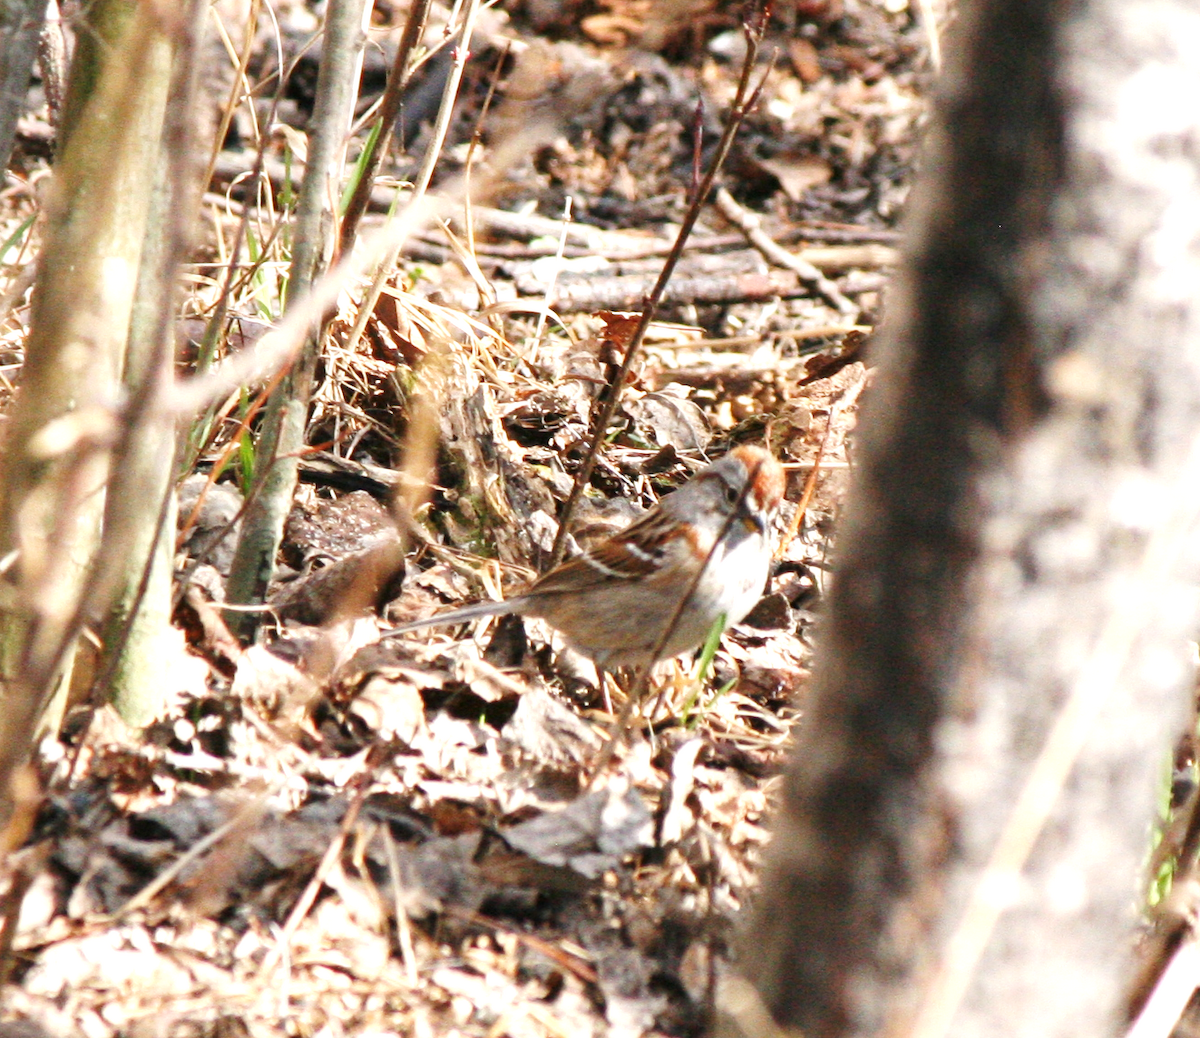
(241, 85)
(389, 109)
(424, 174)
(487, 293)
(743, 101)
(362, 786)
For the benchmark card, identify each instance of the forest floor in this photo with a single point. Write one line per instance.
(329, 833)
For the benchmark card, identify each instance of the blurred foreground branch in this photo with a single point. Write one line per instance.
(1006, 651)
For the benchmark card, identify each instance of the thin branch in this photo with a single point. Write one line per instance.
(743, 101)
(389, 109)
(424, 174)
(751, 226)
(287, 412)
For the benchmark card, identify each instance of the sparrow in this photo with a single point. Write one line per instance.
(710, 541)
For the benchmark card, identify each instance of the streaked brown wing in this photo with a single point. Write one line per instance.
(634, 553)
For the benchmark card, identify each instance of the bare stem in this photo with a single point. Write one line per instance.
(742, 103)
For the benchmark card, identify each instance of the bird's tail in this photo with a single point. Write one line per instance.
(454, 616)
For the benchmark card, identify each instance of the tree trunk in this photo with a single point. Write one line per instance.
(960, 837)
(56, 444)
(139, 518)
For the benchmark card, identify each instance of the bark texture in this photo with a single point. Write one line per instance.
(139, 519)
(959, 843)
(55, 458)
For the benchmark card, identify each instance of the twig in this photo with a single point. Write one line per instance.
(818, 464)
(389, 108)
(751, 225)
(329, 859)
(810, 486)
(164, 878)
(424, 174)
(571, 963)
(743, 100)
(1175, 987)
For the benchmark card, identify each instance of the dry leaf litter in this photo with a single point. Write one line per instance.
(332, 834)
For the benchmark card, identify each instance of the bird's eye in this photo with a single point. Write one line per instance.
(732, 494)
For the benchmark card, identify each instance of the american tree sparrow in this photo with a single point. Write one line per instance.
(614, 602)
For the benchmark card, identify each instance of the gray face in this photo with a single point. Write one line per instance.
(723, 487)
